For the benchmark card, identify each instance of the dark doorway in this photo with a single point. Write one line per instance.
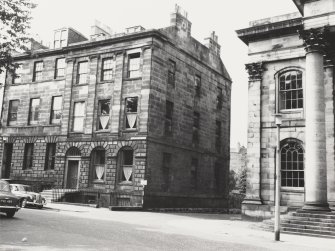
(7, 160)
(72, 174)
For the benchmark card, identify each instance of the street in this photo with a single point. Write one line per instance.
(82, 228)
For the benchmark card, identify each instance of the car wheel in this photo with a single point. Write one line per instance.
(10, 214)
(40, 206)
(24, 203)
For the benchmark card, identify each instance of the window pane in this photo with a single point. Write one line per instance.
(134, 65)
(290, 88)
(78, 124)
(107, 69)
(34, 109)
(128, 157)
(79, 109)
(18, 73)
(104, 107)
(103, 114)
(131, 104)
(57, 103)
(60, 67)
(79, 116)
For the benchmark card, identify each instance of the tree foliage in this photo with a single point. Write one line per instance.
(15, 18)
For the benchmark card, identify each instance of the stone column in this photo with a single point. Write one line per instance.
(253, 194)
(330, 123)
(315, 130)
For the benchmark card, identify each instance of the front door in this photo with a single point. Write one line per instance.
(72, 174)
(7, 160)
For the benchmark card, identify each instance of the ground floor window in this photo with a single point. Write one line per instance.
(292, 164)
(28, 156)
(98, 165)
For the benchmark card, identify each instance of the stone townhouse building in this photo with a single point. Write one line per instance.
(291, 72)
(141, 117)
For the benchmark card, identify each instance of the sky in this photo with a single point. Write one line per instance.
(222, 16)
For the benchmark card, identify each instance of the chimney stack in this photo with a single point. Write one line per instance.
(180, 21)
(213, 44)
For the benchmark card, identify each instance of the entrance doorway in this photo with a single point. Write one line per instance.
(72, 173)
(7, 160)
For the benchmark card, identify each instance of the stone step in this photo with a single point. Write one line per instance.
(309, 234)
(308, 223)
(314, 215)
(311, 227)
(309, 219)
(299, 230)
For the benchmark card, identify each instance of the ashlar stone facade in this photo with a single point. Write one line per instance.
(291, 73)
(142, 118)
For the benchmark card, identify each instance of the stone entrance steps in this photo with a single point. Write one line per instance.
(54, 195)
(320, 224)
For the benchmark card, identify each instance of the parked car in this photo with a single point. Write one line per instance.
(9, 203)
(27, 196)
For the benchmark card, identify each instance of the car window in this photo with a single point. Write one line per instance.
(4, 186)
(21, 188)
(13, 188)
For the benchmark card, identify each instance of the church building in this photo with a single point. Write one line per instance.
(291, 73)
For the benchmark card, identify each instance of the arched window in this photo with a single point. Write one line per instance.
(290, 90)
(125, 164)
(292, 164)
(97, 166)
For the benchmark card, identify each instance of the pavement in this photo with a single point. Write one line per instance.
(210, 227)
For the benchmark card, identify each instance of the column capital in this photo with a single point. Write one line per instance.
(255, 71)
(315, 39)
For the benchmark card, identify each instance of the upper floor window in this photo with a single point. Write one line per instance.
(290, 90)
(171, 72)
(34, 111)
(28, 156)
(292, 165)
(103, 114)
(78, 117)
(134, 65)
(60, 39)
(197, 85)
(82, 72)
(12, 111)
(168, 118)
(218, 136)
(56, 110)
(131, 113)
(219, 99)
(38, 70)
(18, 74)
(107, 69)
(60, 68)
(50, 156)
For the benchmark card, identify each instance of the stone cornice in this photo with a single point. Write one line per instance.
(271, 29)
(315, 39)
(255, 71)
